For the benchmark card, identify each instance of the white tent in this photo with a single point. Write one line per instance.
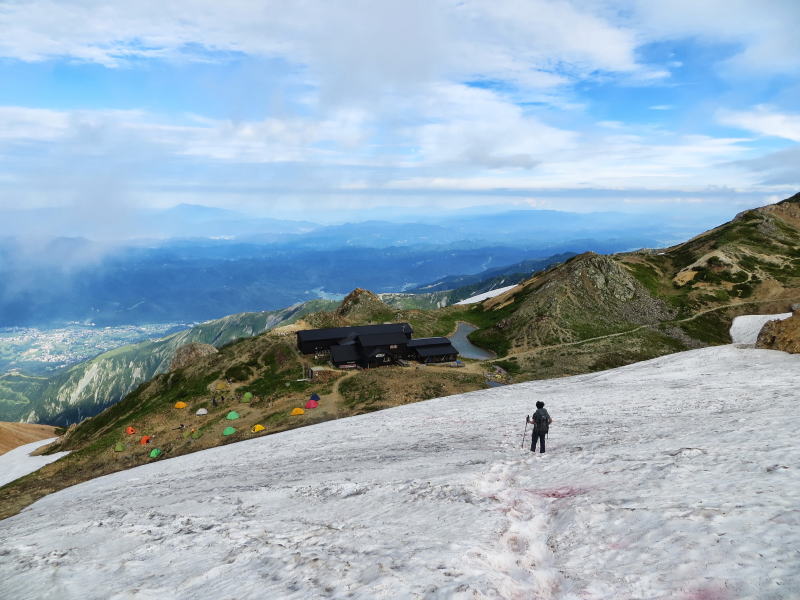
(201, 411)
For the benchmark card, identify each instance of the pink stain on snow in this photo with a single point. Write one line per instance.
(561, 492)
(706, 593)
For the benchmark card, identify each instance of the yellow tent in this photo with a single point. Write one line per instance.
(257, 428)
(297, 411)
(180, 405)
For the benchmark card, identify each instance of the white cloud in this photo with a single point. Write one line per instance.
(613, 160)
(353, 44)
(764, 120)
(765, 31)
(268, 140)
(470, 126)
(19, 123)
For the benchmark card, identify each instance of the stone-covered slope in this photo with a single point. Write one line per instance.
(588, 296)
(781, 335)
(755, 257)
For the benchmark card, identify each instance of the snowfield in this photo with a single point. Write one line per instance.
(485, 295)
(18, 462)
(745, 329)
(675, 478)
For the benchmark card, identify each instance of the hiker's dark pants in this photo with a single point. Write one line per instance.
(541, 442)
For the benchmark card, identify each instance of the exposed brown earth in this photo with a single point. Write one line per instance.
(781, 335)
(13, 435)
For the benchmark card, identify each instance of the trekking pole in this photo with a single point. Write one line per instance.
(524, 432)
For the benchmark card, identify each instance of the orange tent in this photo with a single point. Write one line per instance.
(297, 411)
(145, 439)
(180, 405)
(130, 430)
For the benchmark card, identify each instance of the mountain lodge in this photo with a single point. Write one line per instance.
(374, 345)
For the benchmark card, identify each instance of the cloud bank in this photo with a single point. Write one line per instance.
(291, 109)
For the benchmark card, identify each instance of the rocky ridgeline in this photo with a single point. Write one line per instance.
(781, 335)
(189, 354)
(589, 295)
(361, 302)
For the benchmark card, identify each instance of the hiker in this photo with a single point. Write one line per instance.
(214, 400)
(541, 424)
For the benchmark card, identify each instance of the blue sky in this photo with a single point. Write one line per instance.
(329, 110)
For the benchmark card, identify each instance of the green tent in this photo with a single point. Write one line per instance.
(229, 431)
(155, 453)
(232, 416)
(247, 397)
(196, 434)
(119, 447)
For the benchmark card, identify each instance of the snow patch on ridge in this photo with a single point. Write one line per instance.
(18, 462)
(745, 329)
(486, 295)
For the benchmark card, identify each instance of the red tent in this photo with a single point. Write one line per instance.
(145, 439)
(312, 404)
(130, 430)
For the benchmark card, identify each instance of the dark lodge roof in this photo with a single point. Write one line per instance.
(343, 354)
(382, 339)
(426, 351)
(309, 335)
(434, 341)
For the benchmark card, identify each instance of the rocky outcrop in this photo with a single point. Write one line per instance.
(190, 353)
(781, 335)
(588, 296)
(362, 304)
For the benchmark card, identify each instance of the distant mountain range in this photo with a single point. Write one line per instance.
(266, 264)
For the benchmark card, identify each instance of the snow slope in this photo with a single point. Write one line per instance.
(486, 295)
(745, 329)
(18, 462)
(675, 478)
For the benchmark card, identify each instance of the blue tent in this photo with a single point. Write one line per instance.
(315, 396)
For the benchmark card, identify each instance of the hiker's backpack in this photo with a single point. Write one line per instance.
(541, 421)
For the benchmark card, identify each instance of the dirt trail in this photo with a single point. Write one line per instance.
(330, 403)
(13, 435)
(335, 393)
